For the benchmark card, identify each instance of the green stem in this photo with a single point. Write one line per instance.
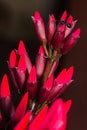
(50, 62)
(47, 70)
(44, 46)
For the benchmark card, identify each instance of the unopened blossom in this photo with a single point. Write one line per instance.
(22, 51)
(6, 104)
(50, 28)
(40, 62)
(70, 42)
(58, 37)
(39, 27)
(31, 84)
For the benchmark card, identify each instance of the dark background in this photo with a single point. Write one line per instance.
(16, 24)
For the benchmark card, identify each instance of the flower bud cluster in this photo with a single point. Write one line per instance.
(39, 107)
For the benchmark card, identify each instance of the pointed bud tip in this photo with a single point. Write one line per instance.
(69, 75)
(67, 106)
(41, 50)
(52, 17)
(71, 69)
(76, 34)
(61, 77)
(12, 59)
(64, 15)
(70, 19)
(48, 84)
(5, 91)
(22, 63)
(37, 16)
(21, 48)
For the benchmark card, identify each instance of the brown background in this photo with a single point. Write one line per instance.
(16, 23)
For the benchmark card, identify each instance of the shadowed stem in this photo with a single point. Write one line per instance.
(49, 65)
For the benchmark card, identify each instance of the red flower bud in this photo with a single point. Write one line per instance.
(50, 29)
(56, 117)
(39, 27)
(59, 37)
(64, 16)
(12, 63)
(21, 72)
(20, 111)
(22, 125)
(40, 62)
(6, 104)
(12, 59)
(22, 64)
(67, 106)
(21, 48)
(31, 85)
(70, 41)
(57, 85)
(45, 90)
(38, 119)
(5, 90)
(22, 51)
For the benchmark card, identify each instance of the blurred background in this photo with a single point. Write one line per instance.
(16, 24)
